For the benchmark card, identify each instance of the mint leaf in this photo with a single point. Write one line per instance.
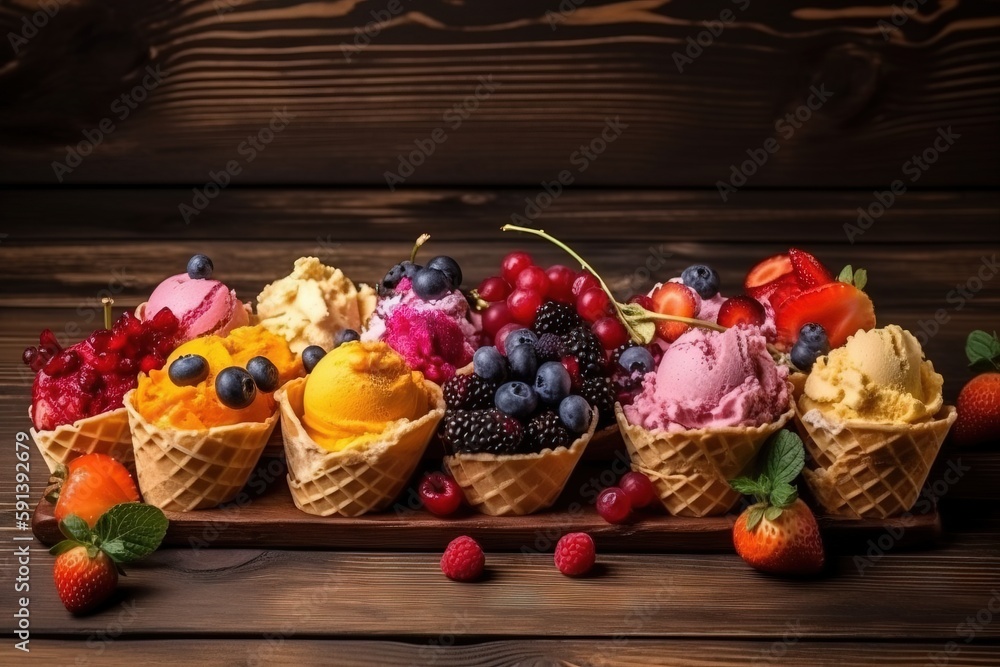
(983, 351)
(860, 278)
(786, 456)
(754, 515)
(772, 513)
(846, 275)
(75, 528)
(747, 486)
(130, 531)
(783, 495)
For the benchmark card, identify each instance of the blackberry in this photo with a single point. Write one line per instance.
(600, 393)
(545, 430)
(469, 392)
(556, 318)
(481, 431)
(548, 347)
(582, 344)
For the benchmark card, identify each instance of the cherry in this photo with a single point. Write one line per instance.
(583, 282)
(495, 317)
(493, 289)
(593, 304)
(561, 280)
(613, 505)
(524, 305)
(440, 493)
(500, 339)
(513, 264)
(610, 332)
(638, 488)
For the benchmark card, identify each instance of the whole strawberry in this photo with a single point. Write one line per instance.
(778, 533)
(979, 401)
(89, 560)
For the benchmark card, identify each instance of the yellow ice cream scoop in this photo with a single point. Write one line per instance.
(878, 376)
(356, 391)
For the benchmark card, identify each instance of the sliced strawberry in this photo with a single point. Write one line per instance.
(741, 310)
(841, 309)
(94, 484)
(808, 269)
(767, 272)
(674, 299)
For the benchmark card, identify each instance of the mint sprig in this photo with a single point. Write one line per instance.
(773, 490)
(983, 351)
(857, 278)
(126, 533)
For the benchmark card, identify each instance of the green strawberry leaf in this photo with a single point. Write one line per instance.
(130, 531)
(983, 351)
(783, 495)
(754, 515)
(64, 546)
(860, 279)
(772, 513)
(76, 528)
(846, 275)
(857, 278)
(637, 322)
(785, 458)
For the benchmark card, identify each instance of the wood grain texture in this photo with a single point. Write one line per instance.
(279, 650)
(559, 80)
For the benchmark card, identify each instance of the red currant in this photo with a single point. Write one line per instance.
(572, 367)
(495, 317)
(513, 264)
(611, 332)
(533, 279)
(593, 304)
(561, 283)
(493, 289)
(638, 488)
(643, 300)
(613, 505)
(524, 305)
(583, 282)
(501, 338)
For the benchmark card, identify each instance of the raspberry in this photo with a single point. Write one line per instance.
(546, 431)
(575, 554)
(548, 347)
(469, 392)
(600, 393)
(556, 318)
(487, 431)
(463, 560)
(582, 344)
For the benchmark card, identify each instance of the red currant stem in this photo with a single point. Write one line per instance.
(108, 302)
(481, 304)
(422, 239)
(704, 324)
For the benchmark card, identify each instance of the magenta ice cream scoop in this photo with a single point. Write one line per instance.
(203, 306)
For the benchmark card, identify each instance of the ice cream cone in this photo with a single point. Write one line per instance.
(356, 480)
(106, 433)
(691, 469)
(517, 484)
(184, 470)
(862, 469)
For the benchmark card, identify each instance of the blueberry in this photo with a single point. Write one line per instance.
(448, 267)
(516, 399)
(235, 387)
(397, 273)
(489, 364)
(552, 383)
(188, 369)
(575, 413)
(431, 284)
(523, 362)
(311, 356)
(519, 337)
(637, 359)
(345, 336)
(264, 373)
(814, 337)
(702, 279)
(804, 356)
(200, 267)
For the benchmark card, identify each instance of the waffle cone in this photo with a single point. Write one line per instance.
(184, 470)
(517, 484)
(106, 433)
(864, 469)
(691, 469)
(358, 480)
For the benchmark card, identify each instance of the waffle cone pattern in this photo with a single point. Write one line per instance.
(106, 433)
(184, 470)
(691, 469)
(517, 484)
(358, 480)
(867, 470)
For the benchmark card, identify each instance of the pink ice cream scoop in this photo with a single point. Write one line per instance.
(708, 379)
(202, 306)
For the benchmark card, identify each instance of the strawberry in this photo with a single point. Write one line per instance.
(778, 533)
(673, 299)
(808, 269)
(88, 561)
(85, 577)
(979, 401)
(93, 484)
(840, 308)
(767, 272)
(741, 310)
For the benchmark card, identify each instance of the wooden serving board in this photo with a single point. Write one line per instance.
(265, 517)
